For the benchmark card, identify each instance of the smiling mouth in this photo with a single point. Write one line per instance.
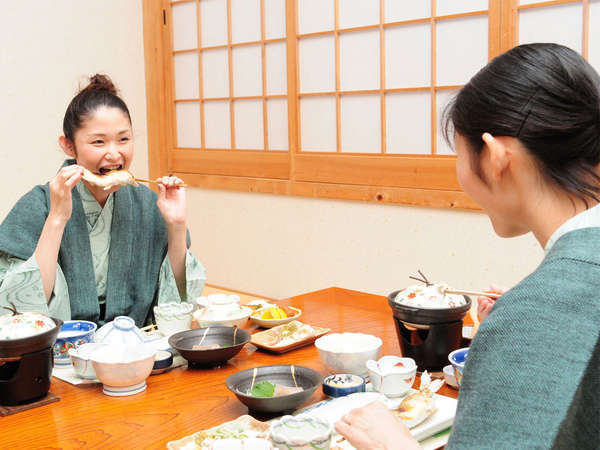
(107, 170)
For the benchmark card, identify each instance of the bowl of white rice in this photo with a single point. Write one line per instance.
(348, 352)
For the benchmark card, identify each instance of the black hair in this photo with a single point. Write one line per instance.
(548, 97)
(99, 92)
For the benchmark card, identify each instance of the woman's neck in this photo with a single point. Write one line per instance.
(98, 193)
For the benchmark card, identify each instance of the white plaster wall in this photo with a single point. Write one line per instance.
(277, 246)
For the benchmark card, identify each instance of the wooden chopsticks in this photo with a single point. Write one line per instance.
(143, 180)
(476, 293)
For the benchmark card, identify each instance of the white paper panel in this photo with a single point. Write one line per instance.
(315, 15)
(356, 13)
(275, 55)
(408, 122)
(361, 124)
(245, 20)
(247, 70)
(213, 22)
(187, 84)
(442, 99)
(462, 49)
(318, 124)
(217, 124)
(274, 19)
(397, 10)
(359, 60)
(408, 56)
(188, 125)
(317, 64)
(185, 26)
(561, 24)
(249, 132)
(445, 7)
(215, 73)
(594, 42)
(277, 117)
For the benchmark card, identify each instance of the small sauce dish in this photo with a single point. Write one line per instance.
(339, 385)
(163, 360)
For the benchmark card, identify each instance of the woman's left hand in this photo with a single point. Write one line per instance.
(171, 200)
(374, 427)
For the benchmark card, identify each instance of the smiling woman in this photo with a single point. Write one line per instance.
(72, 248)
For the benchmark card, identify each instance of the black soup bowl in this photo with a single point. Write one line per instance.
(230, 339)
(308, 379)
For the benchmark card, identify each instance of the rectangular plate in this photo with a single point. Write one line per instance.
(246, 423)
(257, 339)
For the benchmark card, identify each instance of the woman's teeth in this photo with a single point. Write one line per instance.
(105, 170)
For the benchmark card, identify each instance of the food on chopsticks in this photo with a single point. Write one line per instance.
(420, 405)
(109, 179)
(429, 296)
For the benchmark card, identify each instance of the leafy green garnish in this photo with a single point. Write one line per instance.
(262, 389)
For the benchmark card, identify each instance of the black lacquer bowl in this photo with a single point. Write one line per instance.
(184, 342)
(239, 383)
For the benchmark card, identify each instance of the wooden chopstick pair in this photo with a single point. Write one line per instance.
(143, 180)
(475, 293)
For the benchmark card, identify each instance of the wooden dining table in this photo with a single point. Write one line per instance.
(183, 401)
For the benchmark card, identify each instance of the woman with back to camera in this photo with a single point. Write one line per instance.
(74, 250)
(527, 139)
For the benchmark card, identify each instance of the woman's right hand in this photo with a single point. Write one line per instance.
(485, 304)
(61, 203)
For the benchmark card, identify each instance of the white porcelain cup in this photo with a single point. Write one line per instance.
(173, 317)
(393, 376)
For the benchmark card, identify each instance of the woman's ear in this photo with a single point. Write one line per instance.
(498, 156)
(67, 146)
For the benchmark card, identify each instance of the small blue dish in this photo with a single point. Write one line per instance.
(163, 360)
(457, 358)
(341, 384)
(72, 334)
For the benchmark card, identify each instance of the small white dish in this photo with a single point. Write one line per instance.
(221, 309)
(81, 360)
(393, 376)
(449, 376)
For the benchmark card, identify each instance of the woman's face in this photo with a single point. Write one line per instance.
(501, 203)
(104, 142)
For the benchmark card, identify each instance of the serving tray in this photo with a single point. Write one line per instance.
(261, 339)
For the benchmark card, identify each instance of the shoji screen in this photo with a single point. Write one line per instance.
(323, 98)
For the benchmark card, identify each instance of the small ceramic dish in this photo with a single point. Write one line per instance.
(291, 312)
(300, 433)
(227, 342)
(80, 358)
(348, 352)
(450, 377)
(163, 360)
(286, 337)
(342, 384)
(457, 358)
(72, 334)
(308, 379)
(393, 376)
(123, 370)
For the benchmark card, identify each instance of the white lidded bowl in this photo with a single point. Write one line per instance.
(348, 352)
(80, 357)
(221, 309)
(123, 370)
(391, 375)
(173, 317)
(122, 331)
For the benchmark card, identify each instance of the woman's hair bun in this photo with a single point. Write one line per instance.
(101, 83)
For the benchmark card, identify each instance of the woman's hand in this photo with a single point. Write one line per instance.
(171, 200)
(61, 203)
(485, 304)
(374, 427)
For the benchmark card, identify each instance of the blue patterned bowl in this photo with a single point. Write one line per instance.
(457, 358)
(72, 334)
